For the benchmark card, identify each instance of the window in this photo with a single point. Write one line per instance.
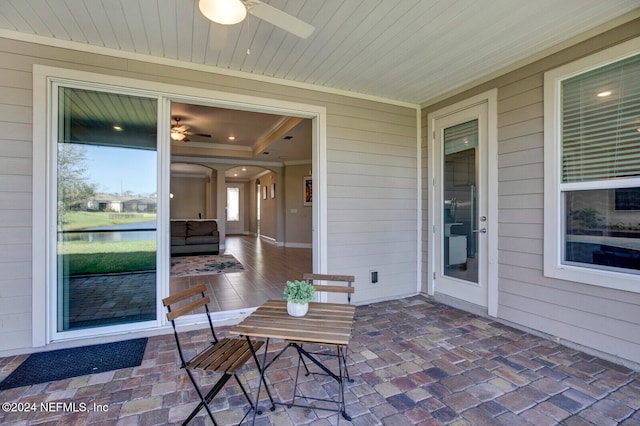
(592, 169)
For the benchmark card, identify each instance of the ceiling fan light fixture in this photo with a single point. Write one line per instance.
(225, 12)
(177, 136)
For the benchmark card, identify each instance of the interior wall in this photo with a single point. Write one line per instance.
(599, 318)
(298, 217)
(189, 197)
(268, 207)
(251, 192)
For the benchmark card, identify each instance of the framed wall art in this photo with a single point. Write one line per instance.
(308, 190)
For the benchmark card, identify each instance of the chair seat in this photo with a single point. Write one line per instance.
(227, 356)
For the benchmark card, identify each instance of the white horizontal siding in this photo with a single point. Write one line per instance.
(371, 162)
(526, 296)
(522, 186)
(372, 190)
(599, 318)
(390, 226)
(15, 288)
(564, 306)
(520, 216)
(15, 202)
(526, 230)
(15, 183)
(359, 238)
(523, 245)
(520, 201)
(15, 252)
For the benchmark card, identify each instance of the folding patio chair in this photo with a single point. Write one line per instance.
(346, 287)
(224, 356)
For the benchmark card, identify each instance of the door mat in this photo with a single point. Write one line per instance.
(66, 363)
(206, 264)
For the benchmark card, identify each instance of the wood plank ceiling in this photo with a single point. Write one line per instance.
(408, 51)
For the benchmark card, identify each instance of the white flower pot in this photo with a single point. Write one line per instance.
(297, 309)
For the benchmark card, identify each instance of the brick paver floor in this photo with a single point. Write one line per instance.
(413, 361)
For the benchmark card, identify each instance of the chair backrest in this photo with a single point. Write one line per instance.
(175, 309)
(185, 303)
(332, 288)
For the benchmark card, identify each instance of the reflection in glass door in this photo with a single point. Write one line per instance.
(460, 184)
(106, 162)
(460, 217)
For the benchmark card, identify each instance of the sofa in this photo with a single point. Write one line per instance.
(192, 236)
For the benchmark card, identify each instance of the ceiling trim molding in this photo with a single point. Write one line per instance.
(600, 29)
(281, 128)
(122, 54)
(231, 161)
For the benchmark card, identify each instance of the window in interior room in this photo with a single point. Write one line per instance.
(106, 164)
(233, 204)
(593, 199)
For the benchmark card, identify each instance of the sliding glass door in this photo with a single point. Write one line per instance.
(106, 160)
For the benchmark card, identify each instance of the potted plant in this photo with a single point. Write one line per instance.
(298, 294)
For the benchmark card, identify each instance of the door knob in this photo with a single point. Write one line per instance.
(482, 230)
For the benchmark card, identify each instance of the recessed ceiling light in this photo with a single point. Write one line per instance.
(244, 169)
(604, 93)
(117, 128)
(232, 138)
(235, 175)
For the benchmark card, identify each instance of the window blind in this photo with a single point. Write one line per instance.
(601, 123)
(461, 137)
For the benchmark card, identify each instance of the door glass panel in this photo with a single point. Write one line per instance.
(460, 201)
(233, 204)
(106, 209)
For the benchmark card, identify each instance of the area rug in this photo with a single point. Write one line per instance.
(204, 264)
(66, 363)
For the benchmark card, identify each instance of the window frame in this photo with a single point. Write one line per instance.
(554, 187)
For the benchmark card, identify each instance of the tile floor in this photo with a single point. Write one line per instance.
(267, 268)
(413, 362)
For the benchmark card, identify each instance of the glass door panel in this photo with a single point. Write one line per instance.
(460, 183)
(106, 209)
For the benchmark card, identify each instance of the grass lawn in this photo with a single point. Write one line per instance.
(81, 257)
(84, 220)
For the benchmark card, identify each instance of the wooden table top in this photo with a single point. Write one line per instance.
(328, 323)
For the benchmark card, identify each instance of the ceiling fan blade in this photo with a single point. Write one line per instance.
(204, 135)
(218, 36)
(279, 18)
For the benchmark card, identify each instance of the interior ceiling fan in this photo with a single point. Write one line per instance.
(179, 132)
(229, 12)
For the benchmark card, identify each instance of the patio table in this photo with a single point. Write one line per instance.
(325, 323)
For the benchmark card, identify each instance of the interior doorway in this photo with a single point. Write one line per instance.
(249, 191)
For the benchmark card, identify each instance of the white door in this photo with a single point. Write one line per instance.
(460, 204)
(235, 209)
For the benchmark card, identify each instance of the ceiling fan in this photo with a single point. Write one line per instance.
(179, 132)
(229, 12)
